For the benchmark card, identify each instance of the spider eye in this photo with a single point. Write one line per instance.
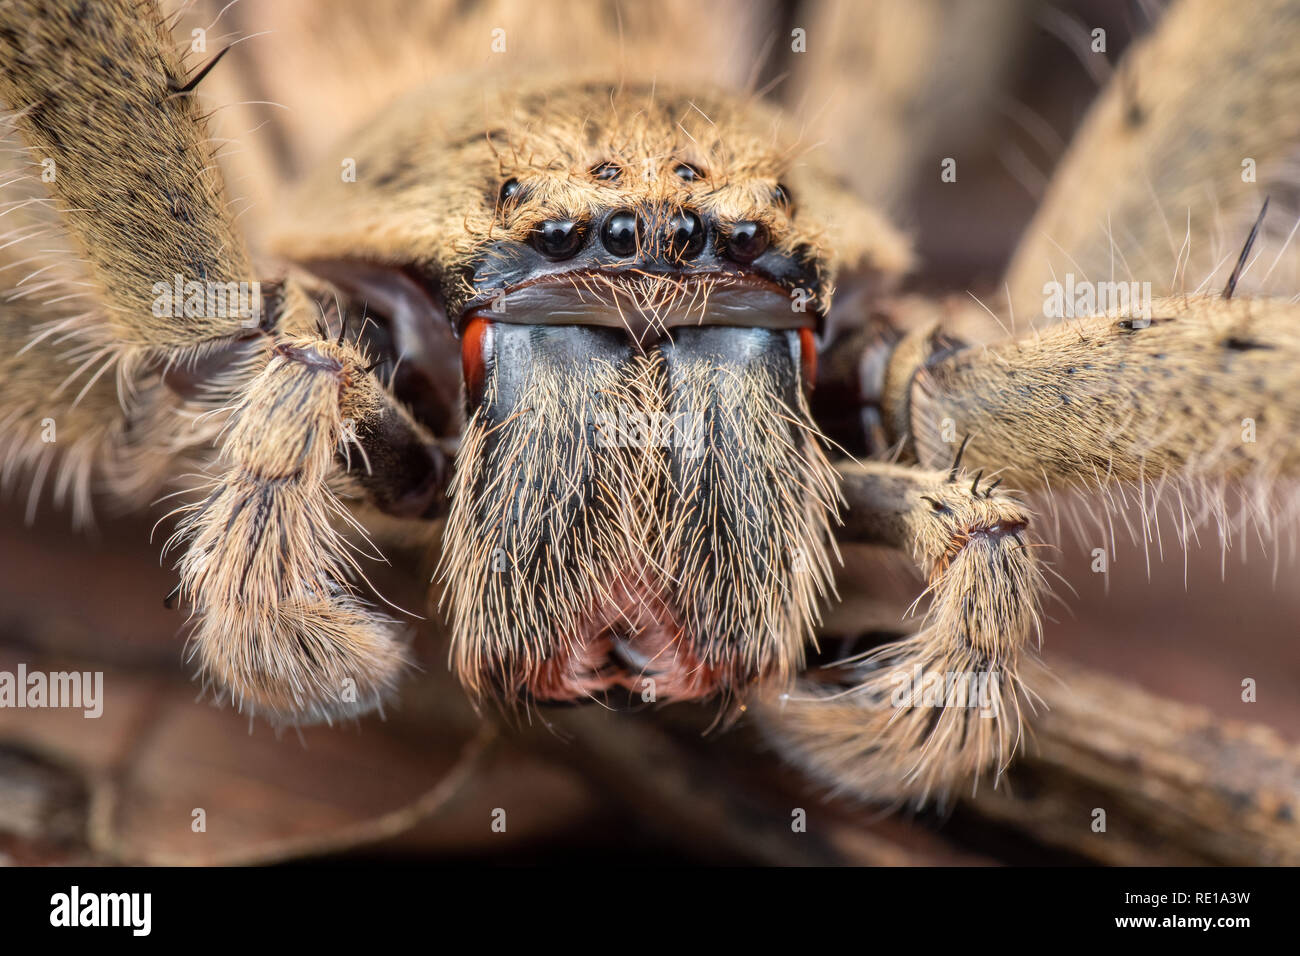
(557, 238)
(508, 190)
(747, 241)
(687, 172)
(686, 235)
(606, 171)
(782, 196)
(619, 233)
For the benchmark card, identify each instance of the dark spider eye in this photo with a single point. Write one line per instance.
(685, 236)
(619, 233)
(781, 194)
(747, 241)
(508, 189)
(606, 171)
(557, 238)
(688, 172)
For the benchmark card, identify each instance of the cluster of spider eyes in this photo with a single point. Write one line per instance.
(622, 232)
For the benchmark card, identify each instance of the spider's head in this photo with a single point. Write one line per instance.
(647, 256)
(633, 280)
(640, 212)
(633, 206)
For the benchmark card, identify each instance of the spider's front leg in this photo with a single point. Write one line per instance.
(123, 157)
(916, 718)
(99, 92)
(1205, 389)
(266, 567)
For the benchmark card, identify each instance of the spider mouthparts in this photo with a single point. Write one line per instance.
(632, 640)
(650, 520)
(629, 656)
